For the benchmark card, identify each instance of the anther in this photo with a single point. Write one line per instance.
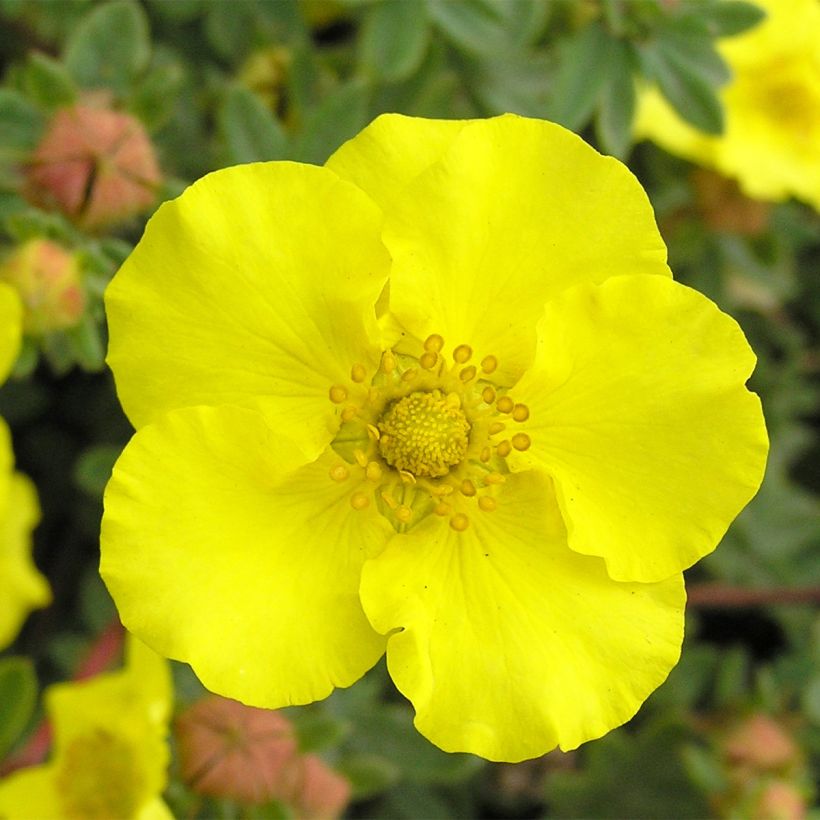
(409, 374)
(407, 477)
(521, 441)
(388, 362)
(496, 427)
(359, 501)
(487, 503)
(459, 522)
(389, 500)
(349, 413)
(468, 488)
(428, 360)
(462, 354)
(494, 478)
(467, 373)
(433, 343)
(521, 412)
(373, 471)
(442, 489)
(339, 472)
(442, 508)
(373, 431)
(361, 458)
(489, 364)
(485, 455)
(504, 448)
(337, 394)
(403, 513)
(505, 404)
(488, 394)
(358, 373)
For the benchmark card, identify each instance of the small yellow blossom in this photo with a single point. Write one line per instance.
(771, 143)
(440, 398)
(22, 588)
(110, 752)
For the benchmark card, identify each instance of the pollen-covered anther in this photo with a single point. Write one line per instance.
(428, 360)
(496, 427)
(462, 354)
(358, 373)
(504, 448)
(485, 455)
(388, 362)
(442, 508)
(373, 471)
(359, 501)
(521, 441)
(389, 500)
(489, 364)
(337, 394)
(468, 373)
(349, 413)
(488, 395)
(468, 488)
(361, 458)
(487, 503)
(505, 405)
(339, 472)
(494, 478)
(434, 343)
(409, 374)
(459, 522)
(520, 412)
(424, 433)
(403, 513)
(373, 432)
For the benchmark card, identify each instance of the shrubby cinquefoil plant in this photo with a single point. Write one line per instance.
(440, 398)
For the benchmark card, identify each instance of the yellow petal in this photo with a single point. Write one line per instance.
(391, 151)
(223, 549)
(11, 318)
(24, 588)
(256, 286)
(639, 412)
(509, 642)
(30, 793)
(515, 211)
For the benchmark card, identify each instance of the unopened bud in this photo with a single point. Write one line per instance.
(780, 800)
(761, 743)
(49, 281)
(321, 792)
(95, 165)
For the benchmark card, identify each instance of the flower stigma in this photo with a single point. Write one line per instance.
(426, 434)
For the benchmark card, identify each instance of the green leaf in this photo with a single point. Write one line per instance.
(472, 25)
(22, 122)
(93, 468)
(227, 26)
(340, 116)
(732, 677)
(394, 39)
(581, 72)
(154, 98)
(691, 49)
(18, 696)
(47, 81)
(368, 774)
(250, 131)
(616, 109)
(689, 94)
(317, 730)
(110, 47)
(731, 17)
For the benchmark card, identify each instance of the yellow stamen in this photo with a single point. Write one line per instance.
(339, 472)
(488, 394)
(467, 373)
(388, 362)
(361, 458)
(403, 513)
(433, 343)
(459, 522)
(504, 448)
(442, 508)
(487, 503)
(462, 354)
(358, 373)
(373, 472)
(496, 427)
(428, 360)
(489, 364)
(337, 394)
(359, 501)
(521, 441)
(468, 488)
(505, 404)
(521, 412)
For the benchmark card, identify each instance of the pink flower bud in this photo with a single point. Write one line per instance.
(49, 282)
(95, 165)
(780, 800)
(321, 793)
(761, 743)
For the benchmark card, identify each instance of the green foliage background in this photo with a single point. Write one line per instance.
(219, 82)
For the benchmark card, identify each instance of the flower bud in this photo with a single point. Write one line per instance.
(321, 792)
(95, 165)
(762, 744)
(780, 800)
(49, 281)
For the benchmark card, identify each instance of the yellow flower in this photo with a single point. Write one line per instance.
(440, 397)
(110, 754)
(771, 143)
(21, 585)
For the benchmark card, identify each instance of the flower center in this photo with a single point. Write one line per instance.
(424, 433)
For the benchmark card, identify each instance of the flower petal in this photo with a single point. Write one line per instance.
(29, 793)
(392, 151)
(515, 211)
(222, 548)
(511, 643)
(24, 587)
(11, 323)
(256, 285)
(639, 412)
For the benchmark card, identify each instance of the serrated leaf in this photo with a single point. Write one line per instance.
(22, 122)
(110, 47)
(47, 81)
(690, 95)
(249, 129)
(394, 38)
(18, 696)
(580, 75)
(731, 17)
(616, 108)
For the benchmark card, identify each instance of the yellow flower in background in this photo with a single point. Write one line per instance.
(771, 142)
(441, 398)
(110, 753)
(22, 588)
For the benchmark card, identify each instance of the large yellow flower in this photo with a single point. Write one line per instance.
(440, 397)
(110, 752)
(22, 588)
(771, 143)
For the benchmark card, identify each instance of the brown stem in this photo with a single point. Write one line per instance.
(715, 595)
